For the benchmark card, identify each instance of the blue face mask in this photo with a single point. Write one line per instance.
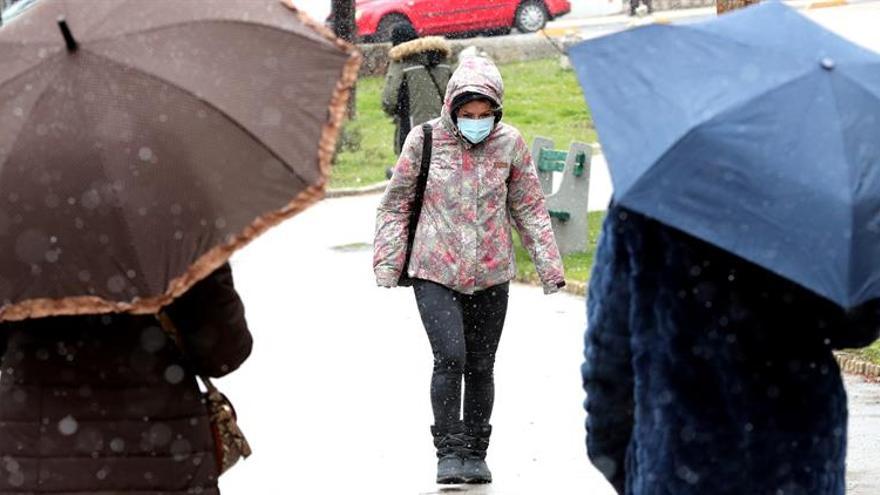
(476, 130)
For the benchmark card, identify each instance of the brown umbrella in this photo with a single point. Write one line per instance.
(143, 142)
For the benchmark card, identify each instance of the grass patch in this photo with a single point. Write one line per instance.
(367, 141)
(541, 99)
(870, 353)
(577, 265)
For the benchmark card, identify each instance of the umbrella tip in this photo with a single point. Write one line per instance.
(827, 63)
(72, 45)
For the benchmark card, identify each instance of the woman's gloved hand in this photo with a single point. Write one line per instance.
(553, 288)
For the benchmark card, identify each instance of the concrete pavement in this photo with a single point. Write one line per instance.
(863, 456)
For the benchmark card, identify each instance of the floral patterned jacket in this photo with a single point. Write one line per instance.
(463, 239)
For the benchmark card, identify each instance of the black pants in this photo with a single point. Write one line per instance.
(464, 331)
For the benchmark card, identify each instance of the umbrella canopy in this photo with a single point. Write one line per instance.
(756, 132)
(142, 143)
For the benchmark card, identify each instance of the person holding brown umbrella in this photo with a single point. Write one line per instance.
(141, 145)
(100, 404)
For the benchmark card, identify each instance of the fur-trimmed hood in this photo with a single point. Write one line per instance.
(419, 46)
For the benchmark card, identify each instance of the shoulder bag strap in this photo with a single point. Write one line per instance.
(421, 184)
(434, 80)
(403, 98)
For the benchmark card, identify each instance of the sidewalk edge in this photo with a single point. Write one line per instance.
(854, 365)
(344, 192)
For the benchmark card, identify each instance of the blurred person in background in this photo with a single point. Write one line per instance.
(416, 80)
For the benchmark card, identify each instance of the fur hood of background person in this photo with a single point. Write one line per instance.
(426, 45)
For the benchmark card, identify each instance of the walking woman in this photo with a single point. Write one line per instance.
(481, 177)
(109, 404)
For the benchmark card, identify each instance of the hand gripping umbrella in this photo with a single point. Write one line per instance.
(757, 132)
(142, 143)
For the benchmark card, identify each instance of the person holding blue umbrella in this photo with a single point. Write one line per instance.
(740, 249)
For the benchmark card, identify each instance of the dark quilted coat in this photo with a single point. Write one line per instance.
(708, 375)
(107, 405)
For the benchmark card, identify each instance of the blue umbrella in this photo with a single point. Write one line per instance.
(758, 132)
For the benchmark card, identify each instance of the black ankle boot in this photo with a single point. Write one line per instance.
(475, 469)
(450, 444)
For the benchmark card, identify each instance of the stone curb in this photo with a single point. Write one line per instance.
(356, 191)
(856, 366)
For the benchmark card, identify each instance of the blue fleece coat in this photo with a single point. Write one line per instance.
(708, 375)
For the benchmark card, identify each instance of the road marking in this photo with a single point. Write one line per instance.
(827, 3)
(561, 31)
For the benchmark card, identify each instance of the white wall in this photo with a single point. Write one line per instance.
(316, 9)
(592, 8)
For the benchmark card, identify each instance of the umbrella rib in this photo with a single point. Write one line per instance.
(124, 218)
(39, 99)
(859, 83)
(853, 183)
(23, 43)
(220, 111)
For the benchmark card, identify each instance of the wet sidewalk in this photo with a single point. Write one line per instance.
(335, 397)
(863, 456)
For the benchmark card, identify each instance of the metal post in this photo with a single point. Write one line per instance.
(342, 14)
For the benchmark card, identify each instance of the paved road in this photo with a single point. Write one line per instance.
(335, 396)
(863, 460)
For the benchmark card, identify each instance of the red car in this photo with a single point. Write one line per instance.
(375, 18)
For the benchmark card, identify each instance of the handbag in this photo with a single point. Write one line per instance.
(230, 444)
(415, 210)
